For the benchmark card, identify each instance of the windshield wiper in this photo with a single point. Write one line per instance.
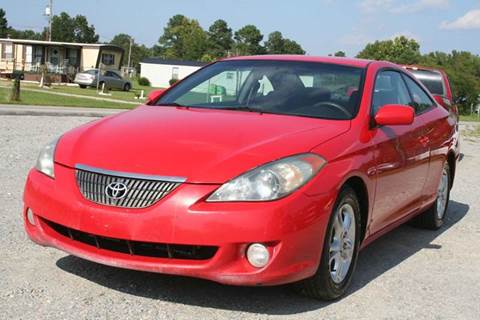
(245, 108)
(173, 104)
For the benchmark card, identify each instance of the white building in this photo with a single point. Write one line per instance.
(160, 71)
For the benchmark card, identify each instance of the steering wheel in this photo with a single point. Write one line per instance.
(335, 106)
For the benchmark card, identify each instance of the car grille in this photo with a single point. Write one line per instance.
(136, 248)
(139, 193)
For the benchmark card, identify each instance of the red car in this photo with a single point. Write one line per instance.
(252, 171)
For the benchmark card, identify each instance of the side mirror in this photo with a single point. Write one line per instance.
(154, 95)
(394, 114)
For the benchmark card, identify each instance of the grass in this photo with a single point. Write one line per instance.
(470, 117)
(92, 92)
(45, 99)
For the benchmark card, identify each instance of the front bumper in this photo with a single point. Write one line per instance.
(293, 228)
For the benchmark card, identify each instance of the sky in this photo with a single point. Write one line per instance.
(321, 26)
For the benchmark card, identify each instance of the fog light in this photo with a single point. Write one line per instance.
(30, 217)
(258, 255)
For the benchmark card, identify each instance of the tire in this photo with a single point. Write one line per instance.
(434, 217)
(82, 86)
(329, 282)
(127, 87)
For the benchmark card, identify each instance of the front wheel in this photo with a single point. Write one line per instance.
(434, 217)
(340, 250)
(127, 87)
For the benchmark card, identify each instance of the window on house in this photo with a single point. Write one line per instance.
(72, 57)
(8, 51)
(175, 72)
(37, 54)
(108, 59)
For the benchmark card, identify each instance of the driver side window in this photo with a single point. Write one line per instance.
(389, 89)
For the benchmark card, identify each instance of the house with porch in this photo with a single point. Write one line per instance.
(61, 60)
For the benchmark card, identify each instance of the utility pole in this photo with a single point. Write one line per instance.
(49, 14)
(130, 54)
(50, 21)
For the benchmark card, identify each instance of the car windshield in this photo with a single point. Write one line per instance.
(432, 80)
(308, 89)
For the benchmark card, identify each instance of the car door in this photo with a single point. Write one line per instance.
(439, 130)
(401, 155)
(118, 80)
(110, 80)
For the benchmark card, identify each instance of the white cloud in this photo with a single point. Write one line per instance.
(471, 20)
(396, 6)
(421, 5)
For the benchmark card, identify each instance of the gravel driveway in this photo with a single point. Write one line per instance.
(407, 274)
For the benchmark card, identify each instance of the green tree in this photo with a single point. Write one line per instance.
(220, 41)
(63, 28)
(139, 52)
(3, 24)
(72, 29)
(182, 38)
(340, 54)
(292, 47)
(247, 41)
(463, 70)
(277, 44)
(26, 34)
(399, 50)
(84, 33)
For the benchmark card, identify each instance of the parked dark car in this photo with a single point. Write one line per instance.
(110, 78)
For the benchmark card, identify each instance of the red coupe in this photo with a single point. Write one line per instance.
(253, 171)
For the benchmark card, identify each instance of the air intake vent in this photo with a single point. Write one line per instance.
(136, 248)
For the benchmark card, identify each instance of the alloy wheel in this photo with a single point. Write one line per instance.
(442, 194)
(342, 243)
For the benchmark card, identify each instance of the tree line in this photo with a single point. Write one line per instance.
(184, 39)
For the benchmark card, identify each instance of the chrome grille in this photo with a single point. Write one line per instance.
(141, 192)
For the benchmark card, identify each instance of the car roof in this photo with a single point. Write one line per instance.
(422, 68)
(360, 63)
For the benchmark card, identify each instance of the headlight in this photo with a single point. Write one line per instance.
(271, 181)
(45, 159)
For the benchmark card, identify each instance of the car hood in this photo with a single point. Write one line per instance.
(201, 145)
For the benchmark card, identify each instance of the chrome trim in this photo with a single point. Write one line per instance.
(130, 174)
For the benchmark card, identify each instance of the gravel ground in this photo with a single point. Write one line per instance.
(409, 273)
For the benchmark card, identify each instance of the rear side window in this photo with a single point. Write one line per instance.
(421, 101)
(389, 89)
(432, 80)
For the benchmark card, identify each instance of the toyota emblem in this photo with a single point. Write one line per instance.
(116, 190)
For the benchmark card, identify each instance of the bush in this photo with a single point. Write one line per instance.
(144, 81)
(172, 81)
